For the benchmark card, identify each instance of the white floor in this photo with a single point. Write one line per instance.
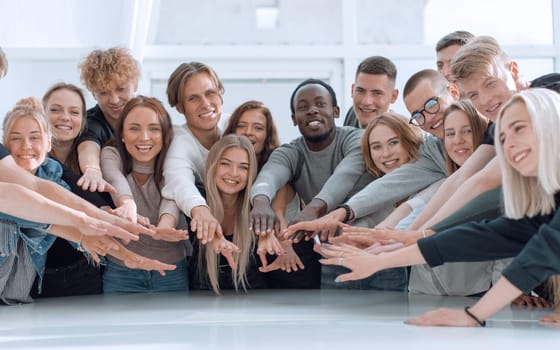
(261, 320)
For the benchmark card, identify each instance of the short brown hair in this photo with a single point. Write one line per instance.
(409, 136)
(478, 124)
(474, 57)
(458, 37)
(426, 74)
(101, 69)
(182, 73)
(378, 65)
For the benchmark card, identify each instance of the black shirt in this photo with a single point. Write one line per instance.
(533, 241)
(488, 137)
(98, 130)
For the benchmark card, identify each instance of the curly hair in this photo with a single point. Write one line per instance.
(101, 70)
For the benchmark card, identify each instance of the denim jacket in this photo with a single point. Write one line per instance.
(35, 235)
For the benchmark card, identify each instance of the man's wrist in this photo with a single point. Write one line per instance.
(348, 213)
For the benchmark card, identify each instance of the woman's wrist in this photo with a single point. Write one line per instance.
(480, 322)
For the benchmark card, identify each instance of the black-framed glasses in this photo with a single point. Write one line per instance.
(431, 106)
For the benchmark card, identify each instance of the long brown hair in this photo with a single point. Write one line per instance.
(478, 124)
(166, 130)
(272, 140)
(72, 161)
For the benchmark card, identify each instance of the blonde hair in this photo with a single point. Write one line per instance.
(27, 107)
(242, 237)
(3, 63)
(478, 124)
(531, 196)
(102, 69)
(408, 136)
(475, 57)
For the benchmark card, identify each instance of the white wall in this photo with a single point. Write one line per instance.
(325, 39)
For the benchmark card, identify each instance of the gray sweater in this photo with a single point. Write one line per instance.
(331, 174)
(404, 181)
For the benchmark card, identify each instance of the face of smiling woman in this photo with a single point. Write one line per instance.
(27, 143)
(142, 135)
(458, 137)
(232, 171)
(518, 139)
(387, 151)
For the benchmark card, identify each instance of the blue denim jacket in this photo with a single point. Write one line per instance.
(34, 234)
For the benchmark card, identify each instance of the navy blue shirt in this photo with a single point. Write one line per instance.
(533, 241)
(3, 152)
(488, 137)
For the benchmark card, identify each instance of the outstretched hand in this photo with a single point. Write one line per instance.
(532, 301)
(98, 246)
(92, 180)
(169, 234)
(288, 262)
(262, 219)
(135, 261)
(206, 226)
(362, 264)
(220, 245)
(269, 244)
(444, 317)
(326, 226)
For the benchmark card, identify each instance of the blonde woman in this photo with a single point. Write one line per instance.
(528, 153)
(231, 168)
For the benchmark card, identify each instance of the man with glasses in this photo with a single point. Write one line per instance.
(487, 77)
(426, 95)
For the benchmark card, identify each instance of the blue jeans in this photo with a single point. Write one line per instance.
(391, 279)
(121, 279)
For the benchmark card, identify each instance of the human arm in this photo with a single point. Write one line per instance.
(166, 230)
(363, 264)
(499, 296)
(112, 171)
(402, 182)
(12, 173)
(89, 155)
(276, 173)
(363, 237)
(280, 202)
(472, 179)
(183, 169)
(396, 216)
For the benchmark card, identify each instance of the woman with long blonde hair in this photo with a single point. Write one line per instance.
(529, 157)
(231, 168)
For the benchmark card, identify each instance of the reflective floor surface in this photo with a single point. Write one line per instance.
(261, 320)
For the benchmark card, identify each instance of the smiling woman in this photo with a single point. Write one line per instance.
(138, 151)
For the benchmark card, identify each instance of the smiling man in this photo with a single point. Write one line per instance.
(324, 165)
(373, 91)
(112, 78)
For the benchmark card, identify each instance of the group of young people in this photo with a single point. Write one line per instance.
(205, 208)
